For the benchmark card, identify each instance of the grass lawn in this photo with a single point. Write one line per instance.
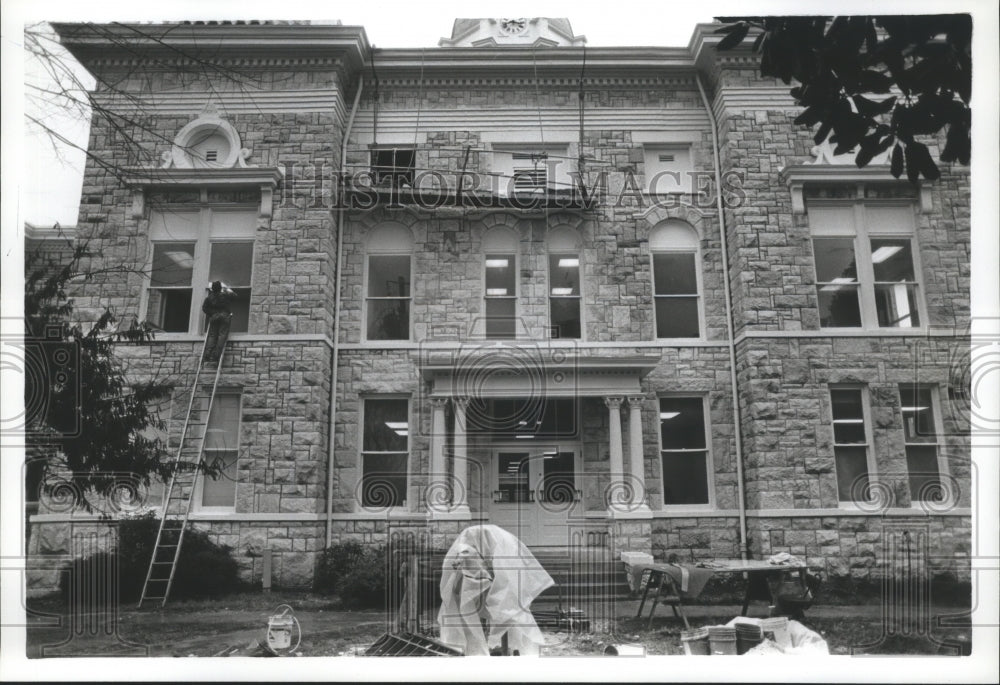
(205, 628)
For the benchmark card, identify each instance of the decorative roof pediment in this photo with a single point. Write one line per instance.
(521, 31)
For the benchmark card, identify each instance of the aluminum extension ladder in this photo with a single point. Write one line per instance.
(170, 536)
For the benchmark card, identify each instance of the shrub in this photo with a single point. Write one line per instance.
(356, 573)
(204, 569)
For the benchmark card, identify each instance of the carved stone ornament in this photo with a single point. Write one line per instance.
(208, 142)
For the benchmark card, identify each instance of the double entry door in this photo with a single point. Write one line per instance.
(535, 491)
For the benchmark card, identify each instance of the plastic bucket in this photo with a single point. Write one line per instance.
(747, 637)
(777, 629)
(722, 640)
(695, 642)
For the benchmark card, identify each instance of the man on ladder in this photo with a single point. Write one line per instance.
(219, 316)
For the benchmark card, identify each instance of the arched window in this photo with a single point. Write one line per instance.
(676, 280)
(387, 283)
(500, 282)
(564, 283)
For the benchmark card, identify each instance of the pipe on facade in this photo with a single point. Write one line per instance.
(335, 353)
(730, 325)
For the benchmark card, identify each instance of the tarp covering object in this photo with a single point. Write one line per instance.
(489, 574)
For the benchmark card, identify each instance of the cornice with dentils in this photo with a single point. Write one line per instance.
(92, 43)
(329, 44)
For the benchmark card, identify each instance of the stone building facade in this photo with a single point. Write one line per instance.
(487, 282)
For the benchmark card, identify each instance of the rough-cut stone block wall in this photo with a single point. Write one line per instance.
(866, 548)
(374, 373)
(696, 538)
(700, 371)
(773, 272)
(293, 279)
(448, 286)
(787, 425)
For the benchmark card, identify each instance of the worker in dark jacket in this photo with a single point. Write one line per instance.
(218, 317)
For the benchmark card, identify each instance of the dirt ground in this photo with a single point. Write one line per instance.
(235, 625)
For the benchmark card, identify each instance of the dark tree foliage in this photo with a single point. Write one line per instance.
(204, 569)
(82, 414)
(846, 66)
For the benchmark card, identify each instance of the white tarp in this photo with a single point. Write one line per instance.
(489, 573)
(801, 640)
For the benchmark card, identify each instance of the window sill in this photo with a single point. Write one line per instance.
(849, 331)
(687, 510)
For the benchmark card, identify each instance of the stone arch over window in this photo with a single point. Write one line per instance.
(564, 283)
(674, 234)
(388, 278)
(500, 239)
(675, 251)
(388, 238)
(563, 239)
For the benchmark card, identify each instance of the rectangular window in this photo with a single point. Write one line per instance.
(865, 271)
(668, 169)
(385, 452)
(388, 297)
(895, 283)
(231, 263)
(393, 166)
(850, 444)
(170, 291)
(191, 248)
(684, 451)
(501, 295)
(564, 296)
(837, 282)
(920, 435)
(675, 291)
(222, 440)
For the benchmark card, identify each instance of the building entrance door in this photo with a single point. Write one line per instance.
(534, 492)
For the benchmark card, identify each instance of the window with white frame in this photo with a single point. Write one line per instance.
(564, 284)
(531, 168)
(684, 453)
(500, 247)
(676, 280)
(866, 275)
(851, 447)
(385, 451)
(222, 440)
(387, 285)
(191, 248)
(668, 168)
(921, 436)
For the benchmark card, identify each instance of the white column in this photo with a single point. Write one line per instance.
(459, 490)
(616, 457)
(636, 461)
(437, 475)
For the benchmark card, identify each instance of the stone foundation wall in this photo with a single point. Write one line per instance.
(863, 548)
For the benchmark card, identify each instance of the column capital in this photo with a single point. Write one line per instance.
(461, 402)
(613, 402)
(437, 402)
(635, 400)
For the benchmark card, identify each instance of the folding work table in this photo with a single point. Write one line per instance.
(675, 583)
